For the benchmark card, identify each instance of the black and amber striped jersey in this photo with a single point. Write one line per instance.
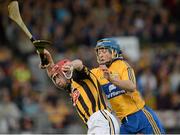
(86, 93)
(122, 102)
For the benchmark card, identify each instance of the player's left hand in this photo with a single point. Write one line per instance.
(108, 74)
(106, 71)
(47, 55)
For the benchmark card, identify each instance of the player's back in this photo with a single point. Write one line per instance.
(89, 96)
(122, 102)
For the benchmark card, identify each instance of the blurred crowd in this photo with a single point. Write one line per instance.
(29, 103)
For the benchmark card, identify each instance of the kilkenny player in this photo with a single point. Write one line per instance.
(86, 94)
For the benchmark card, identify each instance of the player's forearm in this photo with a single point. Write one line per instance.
(48, 69)
(124, 84)
(77, 64)
(51, 62)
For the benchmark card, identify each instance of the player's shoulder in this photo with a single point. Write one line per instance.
(95, 70)
(99, 75)
(120, 63)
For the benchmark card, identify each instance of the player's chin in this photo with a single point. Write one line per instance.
(62, 84)
(102, 62)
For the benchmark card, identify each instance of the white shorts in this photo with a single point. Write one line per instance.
(103, 122)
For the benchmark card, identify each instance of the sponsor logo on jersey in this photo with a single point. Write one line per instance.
(112, 91)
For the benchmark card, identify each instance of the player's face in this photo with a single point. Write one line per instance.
(104, 55)
(59, 80)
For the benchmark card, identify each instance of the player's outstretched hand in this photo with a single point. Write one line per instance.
(47, 55)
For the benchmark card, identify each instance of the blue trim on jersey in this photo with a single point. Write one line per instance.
(112, 91)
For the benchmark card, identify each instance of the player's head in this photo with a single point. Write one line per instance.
(107, 49)
(60, 78)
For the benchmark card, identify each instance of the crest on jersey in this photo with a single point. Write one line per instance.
(75, 95)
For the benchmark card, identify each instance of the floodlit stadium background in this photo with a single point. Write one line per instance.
(149, 34)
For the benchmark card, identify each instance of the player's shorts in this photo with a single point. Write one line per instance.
(143, 121)
(103, 122)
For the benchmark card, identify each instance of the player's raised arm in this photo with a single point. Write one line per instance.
(50, 60)
(69, 67)
(75, 64)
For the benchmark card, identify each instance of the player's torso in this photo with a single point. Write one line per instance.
(88, 98)
(122, 102)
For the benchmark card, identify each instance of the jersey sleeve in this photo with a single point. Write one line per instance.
(128, 73)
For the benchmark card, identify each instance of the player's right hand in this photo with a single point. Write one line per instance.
(47, 55)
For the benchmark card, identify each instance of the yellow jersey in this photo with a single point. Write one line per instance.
(122, 102)
(86, 93)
